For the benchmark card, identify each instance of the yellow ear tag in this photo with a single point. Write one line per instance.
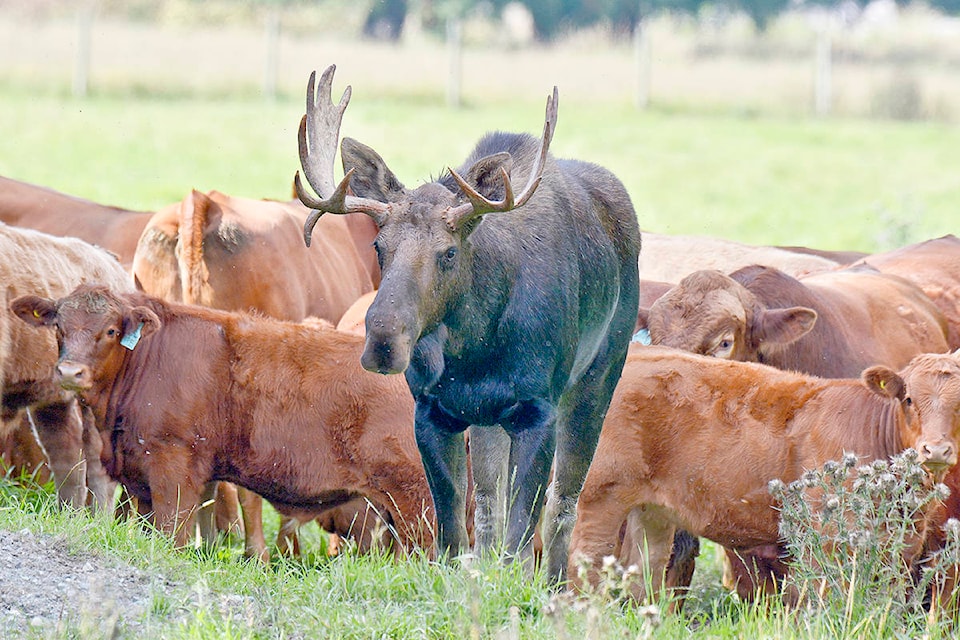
(36, 314)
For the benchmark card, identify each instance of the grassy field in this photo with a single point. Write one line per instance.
(833, 184)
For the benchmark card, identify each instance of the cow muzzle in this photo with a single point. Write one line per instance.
(937, 457)
(73, 376)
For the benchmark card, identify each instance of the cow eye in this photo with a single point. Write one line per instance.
(909, 401)
(111, 332)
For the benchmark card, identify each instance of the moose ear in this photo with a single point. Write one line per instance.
(34, 310)
(884, 381)
(486, 176)
(371, 176)
(784, 326)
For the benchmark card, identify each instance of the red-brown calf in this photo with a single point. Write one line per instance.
(692, 442)
(189, 395)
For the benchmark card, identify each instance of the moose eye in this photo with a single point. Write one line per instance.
(447, 257)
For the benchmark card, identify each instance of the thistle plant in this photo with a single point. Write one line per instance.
(855, 532)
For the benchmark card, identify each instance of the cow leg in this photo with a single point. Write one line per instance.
(443, 451)
(489, 455)
(652, 534)
(22, 453)
(228, 517)
(206, 516)
(532, 444)
(175, 495)
(603, 508)
(288, 542)
(103, 490)
(254, 544)
(59, 430)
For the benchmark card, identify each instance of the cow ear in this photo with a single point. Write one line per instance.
(884, 381)
(139, 322)
(643, 319)
(486, 177)
(371, 176)
(784, 326)
(34, 310)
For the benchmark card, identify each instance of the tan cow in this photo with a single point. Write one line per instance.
(668, 258)
(692, 442)
(34, 207)
(187, 395)
(34, 262)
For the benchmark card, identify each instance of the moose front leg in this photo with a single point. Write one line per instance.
(443, 452)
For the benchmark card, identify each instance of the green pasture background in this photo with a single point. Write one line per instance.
(832, 183)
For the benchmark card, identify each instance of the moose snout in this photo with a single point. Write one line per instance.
(937, 456)
(73, 376)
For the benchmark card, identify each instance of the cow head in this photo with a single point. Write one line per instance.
(94, 327)
(928, 390)
(711, 314)
(422, 245)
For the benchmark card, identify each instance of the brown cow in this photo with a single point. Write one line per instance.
(238, 254)
(679, 423)
(188, 395)
(668, 258)
(32, 262)
(934, 266)
(35, 207)
(832, 324)
(848, 320)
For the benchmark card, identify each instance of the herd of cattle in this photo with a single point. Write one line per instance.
(205, 357)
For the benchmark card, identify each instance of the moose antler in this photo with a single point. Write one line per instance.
(318, 138)
(480, 205)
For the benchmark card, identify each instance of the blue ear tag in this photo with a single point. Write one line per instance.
(131, 339)
(642, 336)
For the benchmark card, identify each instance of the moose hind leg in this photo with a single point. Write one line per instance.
(489, 457)
(580, 420)
(532, 443)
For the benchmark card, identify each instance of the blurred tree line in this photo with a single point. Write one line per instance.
(385, 19)
(552, 18)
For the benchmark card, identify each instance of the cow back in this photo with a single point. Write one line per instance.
(239, 254)
(934, 266)
(42, 209)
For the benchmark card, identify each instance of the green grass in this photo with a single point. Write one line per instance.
(832, 184)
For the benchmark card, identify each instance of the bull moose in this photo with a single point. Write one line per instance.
(500, 309)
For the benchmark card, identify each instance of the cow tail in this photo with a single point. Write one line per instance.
(194, 275)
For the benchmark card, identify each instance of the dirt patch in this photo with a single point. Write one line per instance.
(45, 587)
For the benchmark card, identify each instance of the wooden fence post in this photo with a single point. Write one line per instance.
(272, 62)
(641, 52)
(81, 66)
(455, 50)
(822, 83)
